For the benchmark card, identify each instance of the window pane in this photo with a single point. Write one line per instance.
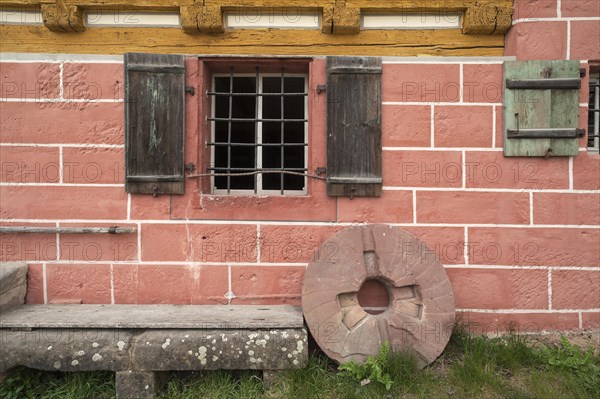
(294, 132)
(271, 132)
(293, 157)
(291, 182)
(243, 132)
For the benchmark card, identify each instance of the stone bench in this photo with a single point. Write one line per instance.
(140, 342)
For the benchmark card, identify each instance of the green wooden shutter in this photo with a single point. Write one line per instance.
(154, 123)
(541, 108)
(354, 126)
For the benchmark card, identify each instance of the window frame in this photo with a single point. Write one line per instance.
(258, 191)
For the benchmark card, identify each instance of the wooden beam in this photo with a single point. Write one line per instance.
(341, 19)
(482, 17)
(199, 18)
(487, 19)
(449, 42)
(62, 17)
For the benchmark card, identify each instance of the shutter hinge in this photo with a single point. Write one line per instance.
(321, 89)
(582, 72)
(190, 90)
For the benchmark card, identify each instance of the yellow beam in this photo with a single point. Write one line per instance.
(450, 42)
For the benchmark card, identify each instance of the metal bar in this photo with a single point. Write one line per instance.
(221, 94)
(258, 114)
(355, 180)
(155, 178)
(254, 120)
(255, 169)
(229, 128)
(287, 172)
(155, 69)
(545, 133)
(259, 144)
(543, 84)
(350, 70)
(67, 230)
(282, 139)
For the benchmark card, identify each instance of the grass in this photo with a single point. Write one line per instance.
(510, 367)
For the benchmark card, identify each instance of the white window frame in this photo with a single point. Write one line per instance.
(595, 79)
(259, 190)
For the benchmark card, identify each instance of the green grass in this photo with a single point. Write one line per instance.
(471, 367)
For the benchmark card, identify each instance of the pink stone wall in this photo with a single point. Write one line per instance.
(519, 237)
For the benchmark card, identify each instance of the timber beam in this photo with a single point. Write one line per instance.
(339, 17)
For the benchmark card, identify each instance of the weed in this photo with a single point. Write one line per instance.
(570, 359)
(374, 369)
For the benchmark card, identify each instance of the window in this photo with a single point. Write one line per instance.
(259, 134)
(594, 113)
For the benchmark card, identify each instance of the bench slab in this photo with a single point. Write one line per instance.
(152, 316)
(153, 350)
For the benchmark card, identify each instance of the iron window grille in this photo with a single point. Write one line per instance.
(259, 133)
(593, 143)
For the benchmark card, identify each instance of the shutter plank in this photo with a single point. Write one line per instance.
(541, 108)
(354, 126)
(154, 123)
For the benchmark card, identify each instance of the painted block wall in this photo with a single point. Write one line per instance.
(518, 237)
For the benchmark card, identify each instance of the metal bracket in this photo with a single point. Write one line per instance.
(190, 90)
(547, 133)
(582, 72)
(321, 89)
(542, 133)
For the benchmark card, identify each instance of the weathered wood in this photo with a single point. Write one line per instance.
(154, 123)
(63, 17)
(341, 19)
(67, 230)
(441, 42)
(540, 109)
(152, 316)
(339, 16)
(199, 18)
(354, 126)
(487, 19)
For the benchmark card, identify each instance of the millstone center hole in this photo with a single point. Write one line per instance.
(373, 296)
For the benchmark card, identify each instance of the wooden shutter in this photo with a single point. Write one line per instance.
(154, 123)
(541, 108)
(354, 126)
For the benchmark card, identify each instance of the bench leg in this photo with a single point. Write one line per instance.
(270, 376)
(138, 384)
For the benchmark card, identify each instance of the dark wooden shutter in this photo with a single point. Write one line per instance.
(354, 126)
(541, 108)
(154, 123)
